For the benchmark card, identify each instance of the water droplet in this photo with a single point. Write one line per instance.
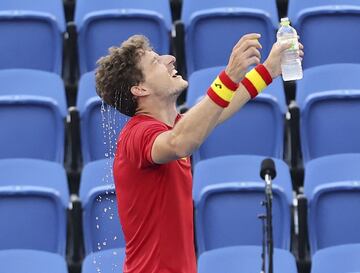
(115, 237)
(104, 243)
(97, 226)
(105, 209)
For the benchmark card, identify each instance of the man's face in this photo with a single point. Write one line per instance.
(161, 77)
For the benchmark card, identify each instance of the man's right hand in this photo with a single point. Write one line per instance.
(244, 54)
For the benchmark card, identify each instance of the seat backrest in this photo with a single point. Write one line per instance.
(259, 117)
(329, 99)
(32, 261)
(100, 123)
(34, 194)
(314, 19)
(33, 110)
(206, 42)
(332, 186)
(342, 258)
(228, 192)
(102, 24)
(101, 224)
(31, 34)
(243, 259)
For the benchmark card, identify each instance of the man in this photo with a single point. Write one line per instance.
(152, 169)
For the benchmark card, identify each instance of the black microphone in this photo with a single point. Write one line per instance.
(268, 168)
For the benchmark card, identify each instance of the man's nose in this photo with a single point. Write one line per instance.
(168, 59)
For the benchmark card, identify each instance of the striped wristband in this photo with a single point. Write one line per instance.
(256, 80)
(222, 90)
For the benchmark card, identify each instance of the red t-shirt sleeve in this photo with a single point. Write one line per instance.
(141, 140)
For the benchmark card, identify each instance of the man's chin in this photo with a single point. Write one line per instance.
(180, 87)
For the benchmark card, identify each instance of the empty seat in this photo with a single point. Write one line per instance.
(313, 21)
(33, 110)
(258, 128)
(244, 259)
(212, 28)
(332, 186)
(102, 229)
(111, 260)
(102, 24)
(343, 258)
(33, 199)
(329, 101)
(100, 124)
(31, 261)
(31, 34)
(227, 195)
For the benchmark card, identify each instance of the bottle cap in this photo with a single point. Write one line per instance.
(285, 21)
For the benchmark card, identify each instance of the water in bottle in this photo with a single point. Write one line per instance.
(290, 60)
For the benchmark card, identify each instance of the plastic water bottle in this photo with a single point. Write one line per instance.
(290, 60)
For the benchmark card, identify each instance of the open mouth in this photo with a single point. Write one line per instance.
(175, 74)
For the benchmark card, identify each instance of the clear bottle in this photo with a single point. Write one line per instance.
(290, 61)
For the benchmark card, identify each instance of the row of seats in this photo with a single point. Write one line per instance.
(40, 26)
(232, 259)
(33, 109)
(227, 203)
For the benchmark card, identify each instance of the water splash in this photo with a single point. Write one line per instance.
(112, 121)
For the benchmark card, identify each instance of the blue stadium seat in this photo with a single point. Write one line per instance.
(31, 261)
(111, 260)
(326, 28)
(32, 109)
(99, 122)
(258, 128)
(102, 24)
(212, 28)
(343, 258)
(332, 186)
(329, 101)
(227, 194)
(102, 229)
(31, 34)
(243, 259)
(33, 199)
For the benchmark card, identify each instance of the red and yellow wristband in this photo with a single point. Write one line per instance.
(256, 80)
(222, 90)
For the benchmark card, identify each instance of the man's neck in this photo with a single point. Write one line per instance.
(164, 112)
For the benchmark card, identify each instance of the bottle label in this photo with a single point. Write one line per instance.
(294, 43)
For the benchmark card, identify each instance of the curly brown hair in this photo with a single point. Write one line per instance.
(118, 71)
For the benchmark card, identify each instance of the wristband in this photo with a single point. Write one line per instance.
(256, 80)
(222, 90)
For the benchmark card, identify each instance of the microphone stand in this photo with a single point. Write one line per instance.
(268, 172)
(262, 217)
(269, 228)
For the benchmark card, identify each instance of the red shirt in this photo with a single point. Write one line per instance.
(154, 202)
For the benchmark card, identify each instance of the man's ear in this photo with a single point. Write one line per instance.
(139, 91)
